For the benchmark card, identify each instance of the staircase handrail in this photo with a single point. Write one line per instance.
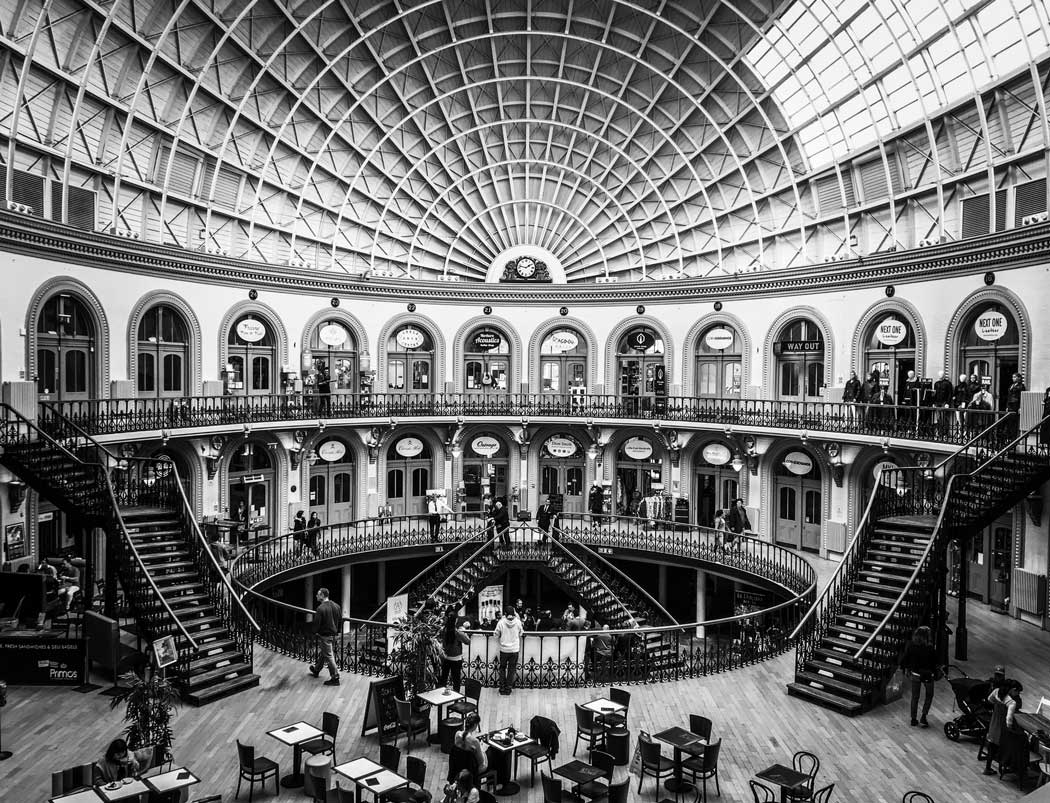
(182, 495)
(594, 554)
(104, 473)
(583, 566)
(484, 544)
(936, 532)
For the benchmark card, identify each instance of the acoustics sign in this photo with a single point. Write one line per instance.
(485, 445)
(250, 330)
(716, 454)
(891, 331)
(487, 340)
(798, 463)
(333, 450)
(638, 449)
(409, 338)
(409, 447)
(991, 325)
(332, 334)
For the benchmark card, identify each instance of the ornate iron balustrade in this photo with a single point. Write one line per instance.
(906, 422)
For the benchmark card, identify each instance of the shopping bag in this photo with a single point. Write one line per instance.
(895, 688)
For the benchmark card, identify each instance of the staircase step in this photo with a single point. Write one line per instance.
(210, 694)
(838, 686)
(213, 659)
(863, 623)
(880, 601)
(904, 566)
(836, 702)
(883, 589)
(199, 680)
(822, 666)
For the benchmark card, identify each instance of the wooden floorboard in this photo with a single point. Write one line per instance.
(875, 757)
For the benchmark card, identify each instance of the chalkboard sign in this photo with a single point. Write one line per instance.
(381, 708)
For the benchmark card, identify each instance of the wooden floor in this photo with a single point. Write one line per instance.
(875, 757)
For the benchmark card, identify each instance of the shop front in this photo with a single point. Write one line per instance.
(990, 349)
(716, 483)
(799, 353)
(563, 362)
(251, 361)
(486, 461)
(486, 362)
(639, 475)
(410, 361)
(251, 484)
(718, 363)
(562, 472)
(889, 350)
(408, 467)
(332, 482)
(798, 499)
(641, 371)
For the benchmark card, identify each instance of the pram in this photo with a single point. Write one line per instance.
(971, 696)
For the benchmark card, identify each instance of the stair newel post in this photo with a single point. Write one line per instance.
(960, 619)
(940, 601)
(110, 598)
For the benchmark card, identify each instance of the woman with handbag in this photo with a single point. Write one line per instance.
(452, 641)
(1005, 700)
(919, 664)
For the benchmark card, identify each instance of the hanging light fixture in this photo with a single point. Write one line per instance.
(737, 463)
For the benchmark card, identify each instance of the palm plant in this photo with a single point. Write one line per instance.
(151, 704)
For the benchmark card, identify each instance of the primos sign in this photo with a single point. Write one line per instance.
(486, 341)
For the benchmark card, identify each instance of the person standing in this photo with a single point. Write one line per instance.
(299, 528)
(1005, 700)
(500, 522)
(313, 533)
(436, 510)
(545, 516)
(452, 641)
(324, 390)
(327, 618)
(1013, 403)
(943, 392)
(596, 502)
(738, 522)
(719, 524)
(509, 632)
(920, 664)
(851, 394)
(960, 401)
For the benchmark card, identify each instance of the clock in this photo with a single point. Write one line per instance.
(526, 267)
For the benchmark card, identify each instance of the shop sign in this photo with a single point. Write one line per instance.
(641, 340)
(991, 325)
(485, 445)
(881, 466)
(28, 661)
(563, 341)
(162, 468)
(798, 463)
(716, 454)
(891, 331)
(719, 339)
(330, 451)
(409, 447)
(638, 449)
(409, 338)
(798, 346)
(251, 331)
(559, 446)
(486, 341)
(332, 334)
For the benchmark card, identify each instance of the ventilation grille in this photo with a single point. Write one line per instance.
(1029, 591)
(1029, 199)
(28, 189)
(975, 216)
(80, 206)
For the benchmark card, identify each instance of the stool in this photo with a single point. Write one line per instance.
(315, 776)
(618, 743)
(447, 731)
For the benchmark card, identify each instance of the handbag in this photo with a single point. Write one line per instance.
(895, 688)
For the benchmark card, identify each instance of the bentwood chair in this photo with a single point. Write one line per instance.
(552, 791)
(255, 770)
(762, 793)
(705, 766)
(618, 792)
(462, 759)
(410, 722)
(543, 749)
(621, 697)
(808, 764)
(471, 698)
(606, 762)
(700, 726)
(916, 797)
(416, 772)
(389, 757)
(823, 795)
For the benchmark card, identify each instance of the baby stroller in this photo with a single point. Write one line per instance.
(971, 696)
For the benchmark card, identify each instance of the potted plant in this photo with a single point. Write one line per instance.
(417, 658)
(150, 704)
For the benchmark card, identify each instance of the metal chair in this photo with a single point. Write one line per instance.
(916, 797)
(390, 757)
(586, 729)
(409, 722)
(325, 743)
(606, 762)
(705, 766)
(416, 772)
(255, 770)
(762, 793)
(653, 763)
(808, 764)
(471, 698)
(823, 795)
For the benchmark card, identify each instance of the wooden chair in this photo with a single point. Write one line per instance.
(700, 726)
(552, 791)
(72, 780)
(705, 766)
(389, 757)
(762, 793)
(606, 762)
(410, 722)
(471, 698)
(325, 743)
(545, 732)
(618, 792)
(808, 764)
(255, 769)
(416, 772)
(462, 759)
(653, 763)
(617, 720)
(586, 729)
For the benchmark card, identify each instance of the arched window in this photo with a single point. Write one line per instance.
(486, 361)
(718, 363)
(889, 349)
(252, 488)
(799, 351)
(332, 481)
(641, 371)
(251, 364)
(65, 356)
(410, 360)
(990, 349)
(563, 362)
(408, 461)
(164, 353)
(332, 345)
(485, 465)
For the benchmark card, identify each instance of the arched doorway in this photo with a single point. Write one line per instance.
(163, 353)
(642, 375)
(251, 361)
(563, 362)
(410, 361)
(798, 500)
(990, 348)
(65, 349)
(182, 468)
(639, 473)
(889, 348)
(332, 482)
(251, 481)
(486, 362)
(486, 461)
(799, 352)
(562, 472)
(719, 371)
(408, 462)
(333, 346)
(715, 482)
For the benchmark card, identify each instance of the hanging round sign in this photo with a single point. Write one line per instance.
(641, 340)
(798, 463)
(881, 466)
(891, 331)
(332, 334)
(558, 446)
(991, 325)
(162, 467)
(330, 451)
(409, 447)
(719, 339)
(485, 445)
(638, 449)
(562, 341)
(716, 454)
(250, 330)
(487, 340)
(409, 338)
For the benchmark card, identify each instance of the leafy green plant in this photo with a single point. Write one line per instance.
(417, 656)
(150, 705)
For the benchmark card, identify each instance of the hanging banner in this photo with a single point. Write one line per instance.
(559, 446)
(991, 325)
(641, 340)
(250, 330)
(719, 339)
(798, 463)
(638, 449)
(330, 451)
(396, 611)
(409, 338)
(562, 341)
(332, 334)
(409, 447)
(716, 454)
(485, 445)
(490, 604)
(486, 341)
(890, 331)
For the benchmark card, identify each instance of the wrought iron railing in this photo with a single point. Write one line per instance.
(908, 422)
(610, 604)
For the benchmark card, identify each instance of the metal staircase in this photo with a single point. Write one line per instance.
(172, 584)
(892, 577)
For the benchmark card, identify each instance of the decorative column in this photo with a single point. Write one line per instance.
(701, 600)
(345, 592)
(381, 581)
(661, 584)
(308, 595)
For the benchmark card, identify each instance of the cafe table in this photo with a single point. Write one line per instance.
(82, 796)
(603, 706)
(439, 698)
(171, 782)
(501, 747)
(123, 792)
(358, 768)
(683, 741)
(379, 783)
(295, 736)
(579, 772)
(787, 778)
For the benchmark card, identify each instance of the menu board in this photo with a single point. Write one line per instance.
(381, 706)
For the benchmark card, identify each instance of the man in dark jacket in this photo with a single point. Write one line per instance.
(737, 521)
(596, 502)
(943, 393)
(327, 619)
(544, 517)
(500, 521)
(851, 394)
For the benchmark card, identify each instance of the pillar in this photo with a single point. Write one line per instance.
(381, 581)
(308, 595)
(346, 592)
(701, 600)
(661, 584)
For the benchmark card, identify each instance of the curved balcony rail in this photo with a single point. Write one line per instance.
(908, 422)
(549, 659)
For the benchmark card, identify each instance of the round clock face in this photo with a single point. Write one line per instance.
(525, 267)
